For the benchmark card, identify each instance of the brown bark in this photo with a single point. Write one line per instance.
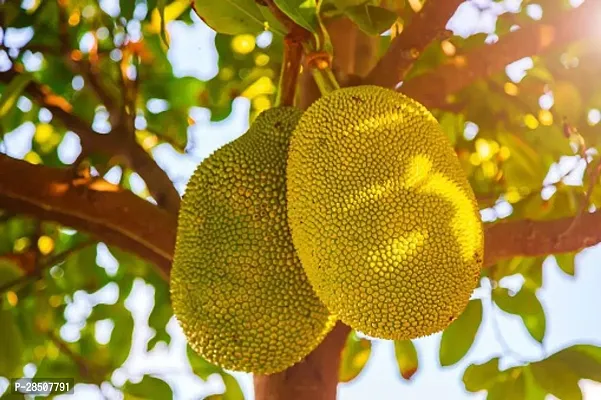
(426, 26)
(112, 215)
(115, 144)
(314, 378)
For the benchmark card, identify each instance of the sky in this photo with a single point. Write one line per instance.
(566, 300)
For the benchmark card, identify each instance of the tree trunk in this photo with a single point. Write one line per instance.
(314, 378)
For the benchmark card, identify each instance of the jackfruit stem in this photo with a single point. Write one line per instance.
(325, 80)
(291, 63)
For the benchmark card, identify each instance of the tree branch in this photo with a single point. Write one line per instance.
(530, 238)
(48, 262)
(120, 218)
(138, 159)
(432, 89)
(112, 215)
(427, 25)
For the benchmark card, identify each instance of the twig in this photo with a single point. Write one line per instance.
(584, 204)
(44, 264)
(291, 63)
(426, 26)
(87, 69)
(87, 369)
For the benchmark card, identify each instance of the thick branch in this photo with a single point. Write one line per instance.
(123, 219)
(427, 25)
(538, 238)
(159, 184)
(432, 88)
(112, 215)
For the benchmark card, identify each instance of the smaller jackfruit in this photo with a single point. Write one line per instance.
(382, 215)
(238, 289)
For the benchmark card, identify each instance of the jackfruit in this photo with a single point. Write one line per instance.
(382, 216)
(237, 287)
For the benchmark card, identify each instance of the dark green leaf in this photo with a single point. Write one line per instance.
(354, 357)
(9, 272)
(127, 8)
(303, 12)
(372, 20)
(12, 92)
(526, 305)
(57, 368)
(406, 358)
(149, 388)
(458, 337)
(11, 346)
(231, 17)
(481, 376)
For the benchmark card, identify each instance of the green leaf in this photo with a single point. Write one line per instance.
(556, 378)
(159, 317)
(458, 337)
(354, 357)
(566, 262)
(406, 358)
(127, 8)
(584, 360)
(567, 100)
(11, 346)
(513, 387)
(481, 376)
(303, 12)
(526, 305)
(370, 19)
(453, 125)
(232, 389)
(163, 29)
(9, 272)
(12, 92)
(533, 390)
(232, 17)
(200, 366)
(149, 388)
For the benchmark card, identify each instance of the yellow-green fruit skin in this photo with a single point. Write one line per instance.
(382, 216)
(238, 289)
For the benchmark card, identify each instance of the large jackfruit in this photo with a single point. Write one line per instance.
(382, 216)
(238, 289)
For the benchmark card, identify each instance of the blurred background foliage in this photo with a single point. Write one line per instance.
(95, 58)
